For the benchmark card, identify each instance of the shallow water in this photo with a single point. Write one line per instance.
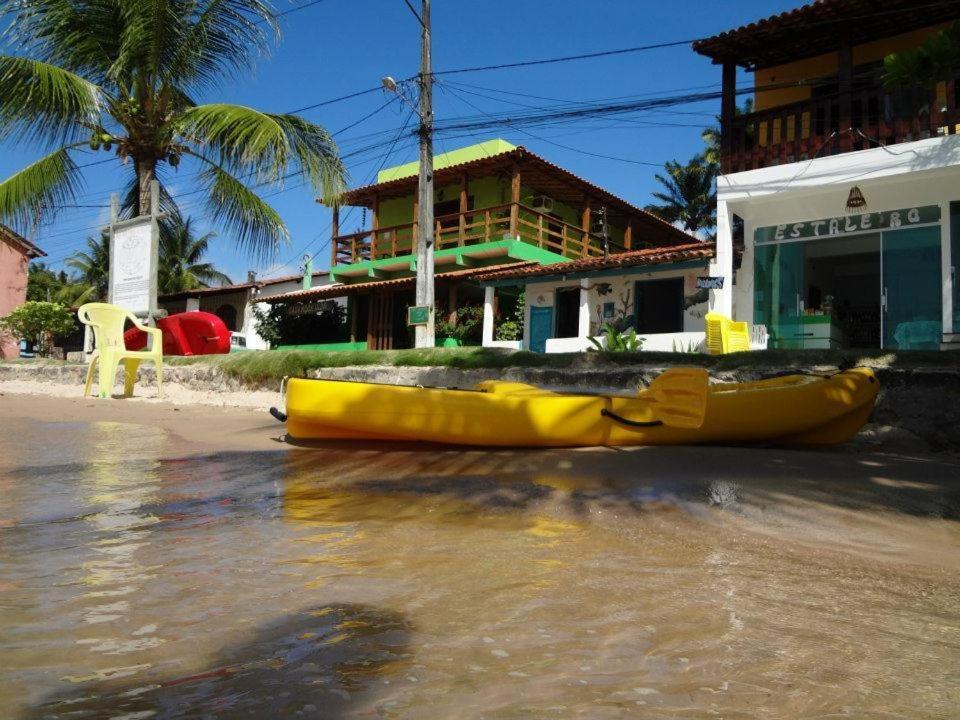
(137, 581)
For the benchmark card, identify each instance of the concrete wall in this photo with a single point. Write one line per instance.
(13, 291)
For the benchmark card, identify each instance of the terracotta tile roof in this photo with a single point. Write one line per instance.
(21, 243)
(647, 256)
(340, 290)
(201, 292)
(665, 232)
(816, 28)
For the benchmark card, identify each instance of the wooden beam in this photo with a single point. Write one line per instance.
(334, 232)
(628, 235)
(374, 225)
(728, 109)
(464, 207)
(515, 200)
(845, 90)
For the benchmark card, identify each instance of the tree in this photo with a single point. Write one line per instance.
(119, 76)
(46, 285)
(93, 265)
(38, 322)
(936, 59)
(689, 195)
(180, 266)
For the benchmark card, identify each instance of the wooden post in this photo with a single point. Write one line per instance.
(374, 224)
(585, 226)
(515, 201)
(628, 235)
(845, 89)
(728, 110)
(335, 231)
(415, 238)
(464, 207)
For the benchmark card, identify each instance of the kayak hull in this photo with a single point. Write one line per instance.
(789, 410)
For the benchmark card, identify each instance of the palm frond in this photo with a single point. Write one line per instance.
(81, 37)
(257, 226)
(317, 156)
(222, 39)
(42, 102)
(47, 183)
(242, 140)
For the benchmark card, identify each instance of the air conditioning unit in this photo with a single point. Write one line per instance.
(542, 203)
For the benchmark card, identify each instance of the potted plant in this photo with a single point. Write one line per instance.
(464, 327)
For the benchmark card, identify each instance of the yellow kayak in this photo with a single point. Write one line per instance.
(679, 408)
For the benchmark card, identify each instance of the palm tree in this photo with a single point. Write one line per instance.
(180, 254)
(711, 135)
(689, 195)
(120, 76)
(93, 265)
(936, 59)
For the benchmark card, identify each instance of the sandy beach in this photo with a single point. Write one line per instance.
(179, 559)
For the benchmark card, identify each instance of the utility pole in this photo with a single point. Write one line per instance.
(425, 222)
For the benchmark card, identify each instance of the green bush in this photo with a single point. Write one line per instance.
(617, 340)
(468, 325)
(38, 322)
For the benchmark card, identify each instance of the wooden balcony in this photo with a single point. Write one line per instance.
(831, 125)
(501, 222)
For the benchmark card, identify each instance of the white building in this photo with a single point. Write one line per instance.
(846, 189)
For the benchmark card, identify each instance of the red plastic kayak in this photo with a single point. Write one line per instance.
(189, 333)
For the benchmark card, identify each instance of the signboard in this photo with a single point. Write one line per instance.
(710, 283)
(848, 225)
(133, 265)
(418, 315)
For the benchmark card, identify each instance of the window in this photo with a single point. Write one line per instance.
(659, 306)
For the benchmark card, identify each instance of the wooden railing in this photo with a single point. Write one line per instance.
(472, 228)
(831, 125)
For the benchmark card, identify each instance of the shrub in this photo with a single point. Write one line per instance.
(38, 322)
(468, 324)
(617, 340)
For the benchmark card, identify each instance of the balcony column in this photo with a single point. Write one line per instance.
(583, 317)
(728, 110)
(515, 202)
(721, 301)
(845, 88)
(628, 235)
(374, 225)
(585, 218)
(335, 231)
(488, 298)
(464, 207)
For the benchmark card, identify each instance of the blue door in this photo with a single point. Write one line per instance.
(541, 328)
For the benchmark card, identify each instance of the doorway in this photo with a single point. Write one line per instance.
(568, 312)
(659, 306)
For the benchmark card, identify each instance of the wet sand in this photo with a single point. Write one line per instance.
(164, 561)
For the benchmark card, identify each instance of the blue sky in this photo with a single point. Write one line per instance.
(340, 46)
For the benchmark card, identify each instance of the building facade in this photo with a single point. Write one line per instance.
(846, 188)
(495, 206)
(16, 252)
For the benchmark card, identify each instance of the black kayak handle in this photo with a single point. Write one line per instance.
(631, 423)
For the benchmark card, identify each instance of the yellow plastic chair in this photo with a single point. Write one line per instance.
(107, 322)
(725, 335)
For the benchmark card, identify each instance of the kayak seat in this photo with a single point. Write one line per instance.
(107, 322)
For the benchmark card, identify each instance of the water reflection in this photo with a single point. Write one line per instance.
(362, 582)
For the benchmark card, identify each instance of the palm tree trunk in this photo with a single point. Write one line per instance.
(146, 174)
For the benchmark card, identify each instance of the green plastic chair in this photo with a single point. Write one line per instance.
(107, 322)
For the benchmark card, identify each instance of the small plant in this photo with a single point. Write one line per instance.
(617, 340)
(690, 346)
(467, 324)
(38, 322)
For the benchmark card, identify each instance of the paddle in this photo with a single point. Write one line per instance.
(678, 398)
